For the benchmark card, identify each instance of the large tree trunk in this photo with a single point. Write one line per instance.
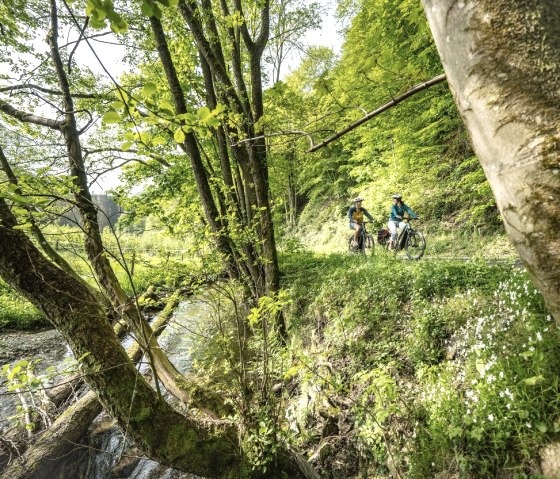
(502, 61)
(53, 446)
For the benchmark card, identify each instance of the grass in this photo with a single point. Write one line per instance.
(16, 312)
(440, 367)
(330, 235)
(153, 259)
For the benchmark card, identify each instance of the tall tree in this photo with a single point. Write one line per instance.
(502, 61)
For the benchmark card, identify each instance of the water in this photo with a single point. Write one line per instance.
(105, 453)
(46, 346)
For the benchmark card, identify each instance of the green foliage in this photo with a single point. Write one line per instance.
(419, 148)
(16, 312)
(445, 366)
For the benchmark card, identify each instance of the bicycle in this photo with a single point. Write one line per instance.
(366, 244)
(410, 240)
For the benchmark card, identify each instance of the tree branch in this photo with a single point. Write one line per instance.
(280, 133)
(46, 90)
(29, 117)
(418, 88)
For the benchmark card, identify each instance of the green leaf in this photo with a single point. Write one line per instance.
(188, 117)
(203, 113)
(147, 9)
(179, 135)
(119, 26)
(111, 117)
(149, 89)
(220, 108)
(166, 108)
(126, 145)
(159, 140)
(212, 121)
(85, 355)
(541, 426)
(533, 380)
(480, 367)
(157, 11)
(23, 226)
(21, 200)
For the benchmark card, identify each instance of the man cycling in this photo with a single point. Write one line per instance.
(397, 216)
(356, 216)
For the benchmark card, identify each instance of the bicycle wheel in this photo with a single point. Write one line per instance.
(415, 245)
(369, 245)
(351, 249)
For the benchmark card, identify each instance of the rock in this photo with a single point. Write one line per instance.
(550, 460)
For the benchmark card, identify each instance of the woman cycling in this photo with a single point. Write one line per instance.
(397, 216)
(356, 216)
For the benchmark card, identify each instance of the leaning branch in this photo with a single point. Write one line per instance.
(381, 109)
(280, 133)
(29, 117)
(29, 86)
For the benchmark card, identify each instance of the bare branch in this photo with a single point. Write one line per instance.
(281, 133)
(29, 117)
(418, 88)
(30, 86)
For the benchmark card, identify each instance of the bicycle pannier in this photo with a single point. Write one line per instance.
(383, 236)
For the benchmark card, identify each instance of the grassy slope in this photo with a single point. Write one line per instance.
(421, 368)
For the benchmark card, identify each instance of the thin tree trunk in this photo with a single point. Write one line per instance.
(105, 275)
(47, 248)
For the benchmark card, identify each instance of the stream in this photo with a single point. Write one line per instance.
(104, 453)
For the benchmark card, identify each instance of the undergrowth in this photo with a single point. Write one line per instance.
(426, 369)
(16, 312)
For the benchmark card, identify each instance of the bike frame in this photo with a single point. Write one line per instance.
(362, 238)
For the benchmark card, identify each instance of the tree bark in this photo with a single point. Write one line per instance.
(166, 436)
(502, 62)
(43, 456)
(93, 243)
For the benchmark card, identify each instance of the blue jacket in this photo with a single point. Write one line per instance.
(397, 214)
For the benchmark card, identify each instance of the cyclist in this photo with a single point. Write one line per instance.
(356, 216)
(396, 220)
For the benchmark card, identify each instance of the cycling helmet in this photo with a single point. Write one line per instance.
(397, 197)
(358, 198)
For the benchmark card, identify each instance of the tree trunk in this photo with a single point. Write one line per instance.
(52, 447)
(208, 449)
(502, 61)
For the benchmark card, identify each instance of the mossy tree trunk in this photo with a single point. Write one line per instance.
(502, 61)
(205, 448)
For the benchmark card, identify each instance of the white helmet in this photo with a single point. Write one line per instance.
(358, 198)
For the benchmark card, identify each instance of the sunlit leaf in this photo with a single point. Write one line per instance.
(179, 136)
(111, 117)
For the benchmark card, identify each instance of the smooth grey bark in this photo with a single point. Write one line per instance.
(502, 62)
